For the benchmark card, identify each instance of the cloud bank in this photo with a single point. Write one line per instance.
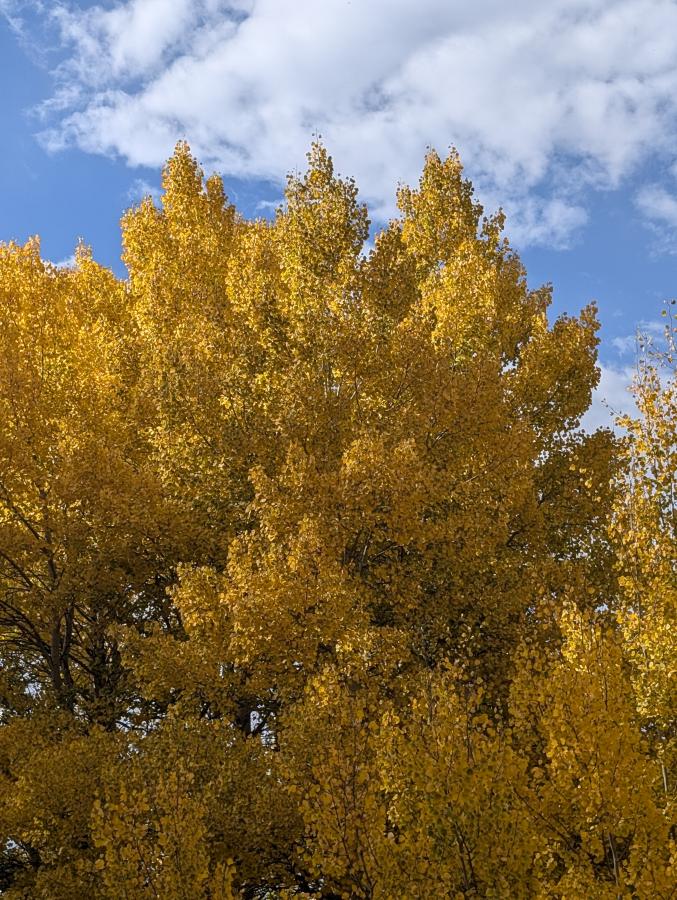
(545, 101)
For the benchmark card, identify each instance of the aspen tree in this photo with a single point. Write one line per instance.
(310, 583)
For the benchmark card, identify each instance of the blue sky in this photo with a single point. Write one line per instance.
(565, 114)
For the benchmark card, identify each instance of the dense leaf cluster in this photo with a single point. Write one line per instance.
(310, 584)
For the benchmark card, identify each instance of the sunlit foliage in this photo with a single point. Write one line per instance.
(310, 583)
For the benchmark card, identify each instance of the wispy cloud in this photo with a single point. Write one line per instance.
(659, 208)
(628, 344)
(611, 398)
(544, 100)
(269, 206)
(141, 188)
(68, 263)
(625, 344)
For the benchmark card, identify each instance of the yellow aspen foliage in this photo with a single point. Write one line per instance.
(310, 583)
(645, 531)
(396, 798)
(604, 827)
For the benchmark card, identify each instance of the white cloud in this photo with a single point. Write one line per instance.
(552, 221)
(659, 208)
(68, 263)
(141, 188)
(646, 329)
(611, 398)
(625, 344)
(658, 205)
(9, 10)
(129, 40)
(542, 99)
(269, 207)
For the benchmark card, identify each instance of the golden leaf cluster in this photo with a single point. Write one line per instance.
(310, 583)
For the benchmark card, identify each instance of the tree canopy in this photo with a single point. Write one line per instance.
(310, 582)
